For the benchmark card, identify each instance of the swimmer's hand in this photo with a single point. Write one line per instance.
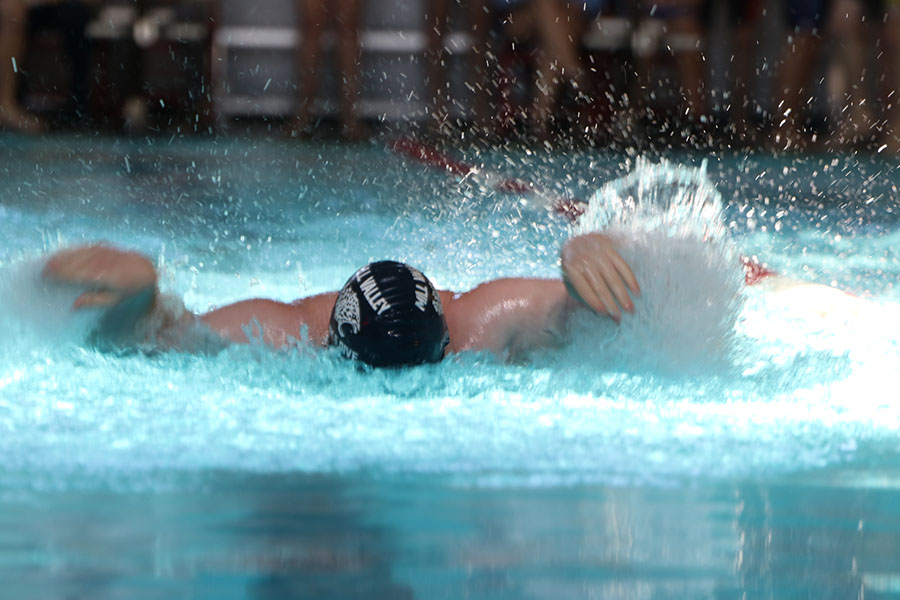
(597, 275)
(110, 275)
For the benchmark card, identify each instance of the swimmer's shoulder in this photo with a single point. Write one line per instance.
(502, 313)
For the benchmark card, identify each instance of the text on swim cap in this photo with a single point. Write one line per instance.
(345, 350)
(421, 289)
(372, 292)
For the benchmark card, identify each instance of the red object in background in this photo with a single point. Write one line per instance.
(755, 271)
(569, 208)
(428, 155)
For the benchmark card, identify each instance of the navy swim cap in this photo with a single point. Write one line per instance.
(389, 315)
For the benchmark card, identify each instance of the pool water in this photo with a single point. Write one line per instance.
(762, 461)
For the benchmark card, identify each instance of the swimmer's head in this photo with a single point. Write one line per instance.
(389, 315)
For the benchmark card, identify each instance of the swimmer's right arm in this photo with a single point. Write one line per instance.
(123, 285)
(109, 275)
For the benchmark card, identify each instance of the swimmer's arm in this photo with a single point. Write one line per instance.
(276, 324)
(596, 275)
(508, 316)
(109, 275)
(123, 285)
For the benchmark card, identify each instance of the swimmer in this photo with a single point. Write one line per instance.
(387, 314)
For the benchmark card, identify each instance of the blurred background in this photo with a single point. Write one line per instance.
(773, 74)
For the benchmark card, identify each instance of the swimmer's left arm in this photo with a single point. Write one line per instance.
(596, 274)
(508, 316)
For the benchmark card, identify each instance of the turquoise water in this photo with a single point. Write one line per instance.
(630, 464)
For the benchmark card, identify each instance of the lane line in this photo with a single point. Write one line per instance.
(569, 208)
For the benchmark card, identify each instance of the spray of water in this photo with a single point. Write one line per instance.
(39, 310)
(668, 222)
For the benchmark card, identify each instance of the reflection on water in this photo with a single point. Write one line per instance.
(231, 535)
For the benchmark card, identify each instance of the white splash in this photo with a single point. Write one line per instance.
(678, 199)
(669, 226)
